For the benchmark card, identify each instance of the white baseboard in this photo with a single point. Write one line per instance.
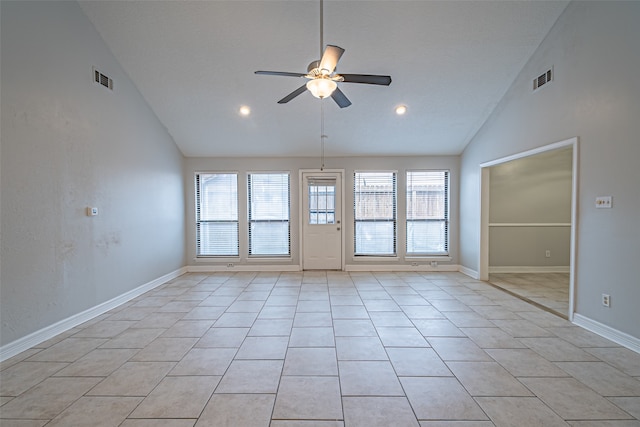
(240, 267)
(529, 269)
(469, 272)
(624, 339)
(397, 267)
(35, 338)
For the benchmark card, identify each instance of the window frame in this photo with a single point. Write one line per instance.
(198, 209)
(393, 219)
(251, 221)
(446, 220)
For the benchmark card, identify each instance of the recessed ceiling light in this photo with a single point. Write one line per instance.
(244, 110)
(401, 109)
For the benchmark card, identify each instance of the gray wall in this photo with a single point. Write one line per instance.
(349, 165)
(531, 190)
(595, 96)
(68, 143)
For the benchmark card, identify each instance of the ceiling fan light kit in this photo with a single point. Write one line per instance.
(323, 80)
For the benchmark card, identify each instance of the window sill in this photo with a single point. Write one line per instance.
(427, 258)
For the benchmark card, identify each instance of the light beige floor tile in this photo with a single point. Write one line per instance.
(311, 361)
(245, 306)
(24, 423)
(581, 337)
(390, 318)
(236, 320)
(522, 328)
(525, 363)
(601, 423)
(630, 404)
(519, 411)
(218, 300)
(558, 350)
(313, 307)
(306, 423)
(495, 312)
(188, 329)
(246, 410)
(177, 397)
(159, 320)
(105, 329)
(308, 398)
(68, 350)
(271, 327)
(134, 338)
(456, 424)
(282, 300)
(378, 412)
(304, 320)
(223, 337)
(458, 349)
(98, 363)
(445, 305)
(349, 312)
(251, 376)
(97, 411)
(47, 399)
(603, 378)
(441, 398)
(18, 378)
(354, 328)
(368, 378)
(572, 400)
(487, 379)
(205, 361)
(381, 305)
(165, 350)
(178, 307)
(437, 328)
(312, 337)
(346, 300)
(468, 319)
(401, 337)
(277, 312)
(360, 348)
(492, 338)
(133, 379)
(417, 362)
(626, 360)
(263, 348)
(422, 312)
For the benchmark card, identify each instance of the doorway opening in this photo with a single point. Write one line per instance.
(528, 225)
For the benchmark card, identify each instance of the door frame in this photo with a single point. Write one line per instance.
(483, 262)
(301, 206)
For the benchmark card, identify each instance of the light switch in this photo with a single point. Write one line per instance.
(603, 202)
(92, 211)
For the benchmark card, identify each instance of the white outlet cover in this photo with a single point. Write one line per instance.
(603, 202)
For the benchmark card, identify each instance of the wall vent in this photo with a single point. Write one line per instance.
(543, 79)
(101, 79)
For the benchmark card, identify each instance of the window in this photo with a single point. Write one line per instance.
(217, 214)
(374, 213)
(322, 200)
(427, 213)
(269, 231)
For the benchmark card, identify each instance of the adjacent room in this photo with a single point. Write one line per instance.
(319, 213)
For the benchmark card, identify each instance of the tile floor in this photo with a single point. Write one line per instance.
(323, 349)
(550, 290)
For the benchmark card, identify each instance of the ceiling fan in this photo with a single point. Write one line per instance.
(323, 79)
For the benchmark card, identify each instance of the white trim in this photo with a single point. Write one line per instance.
(483, 250)
(48, 332)
(400, 267)
(622, 338)
(244, 268)
(530, 224)
(469, 272)
(530, 269)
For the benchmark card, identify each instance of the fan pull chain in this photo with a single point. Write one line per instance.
(322, 135)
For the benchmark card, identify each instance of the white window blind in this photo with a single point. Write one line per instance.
(217, 214)
(428, 212)
(374, 213)
(269, 230)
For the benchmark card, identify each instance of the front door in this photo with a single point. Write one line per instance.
(322, 222)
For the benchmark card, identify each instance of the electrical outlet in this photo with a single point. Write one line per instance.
(230, 265)
(547, 253)
(603, 202)
(606, 300)
(434, 264)
(414, 264)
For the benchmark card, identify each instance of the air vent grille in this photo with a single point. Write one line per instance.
(543, 79)
(102, 79)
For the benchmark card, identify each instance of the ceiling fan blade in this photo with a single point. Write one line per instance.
(340, 98)
(280, 73)
(330, 58)
(293, 94)
(367, 78)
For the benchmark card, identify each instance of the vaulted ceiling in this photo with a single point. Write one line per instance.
(450, 61)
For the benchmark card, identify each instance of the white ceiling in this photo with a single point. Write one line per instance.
(450, 61)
